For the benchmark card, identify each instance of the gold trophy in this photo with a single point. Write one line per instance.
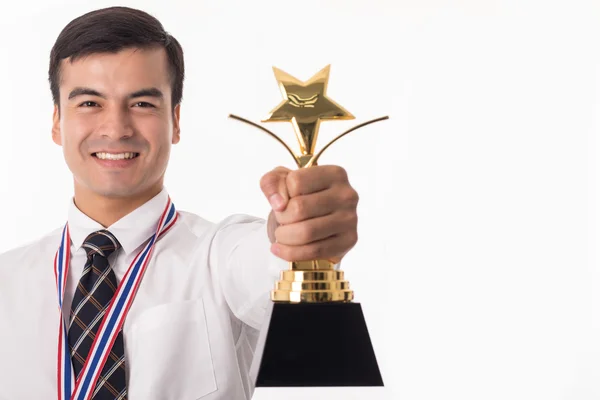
(316, 335)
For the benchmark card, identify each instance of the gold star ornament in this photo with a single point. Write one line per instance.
(305, 105)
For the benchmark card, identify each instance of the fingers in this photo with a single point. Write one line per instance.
(314, 179)
(318, 204)
(315, 229)
(273, 186)
(314, 213)
(332, 248)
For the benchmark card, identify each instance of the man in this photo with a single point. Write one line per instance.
(133, 299)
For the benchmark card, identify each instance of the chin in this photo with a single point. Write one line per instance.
(117, 192)
(118, 188)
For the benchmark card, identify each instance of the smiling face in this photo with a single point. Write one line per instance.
(116, 123)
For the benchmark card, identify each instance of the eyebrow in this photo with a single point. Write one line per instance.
(147, 92)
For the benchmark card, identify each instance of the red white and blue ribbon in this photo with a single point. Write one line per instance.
(83, 387)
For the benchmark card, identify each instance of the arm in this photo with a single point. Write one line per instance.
(244, 268)
(313, 216)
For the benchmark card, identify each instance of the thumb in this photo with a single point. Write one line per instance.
(273, 185)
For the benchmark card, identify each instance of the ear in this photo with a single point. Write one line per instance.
(56, 137)
(176, 128)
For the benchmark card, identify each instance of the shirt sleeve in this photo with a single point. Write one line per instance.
(246, 269)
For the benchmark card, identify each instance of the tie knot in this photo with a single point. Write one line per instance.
(101, 242)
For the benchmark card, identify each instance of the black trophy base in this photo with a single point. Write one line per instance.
(324, 344)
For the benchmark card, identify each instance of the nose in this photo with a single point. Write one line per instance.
(116, 124)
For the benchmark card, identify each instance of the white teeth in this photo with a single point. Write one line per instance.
(119, 156)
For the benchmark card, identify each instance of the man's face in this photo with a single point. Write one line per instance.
(116, 123)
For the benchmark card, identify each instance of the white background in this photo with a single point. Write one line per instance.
(477, 264)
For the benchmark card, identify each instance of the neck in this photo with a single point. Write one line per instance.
(107, 210)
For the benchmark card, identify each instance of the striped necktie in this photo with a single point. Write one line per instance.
(94, 293)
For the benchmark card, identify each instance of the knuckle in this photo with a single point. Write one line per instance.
(352, 220)
(353, 238)
(353, 217)
(269, 181)
(314, 251)
(279, 234)
(349, 197)
(340, 173)
(298, 209)
(306, 233)
(294, 183)
(286, 253)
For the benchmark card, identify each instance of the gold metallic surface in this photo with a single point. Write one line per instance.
(315, 158)
(267, 131)
(291, 275)
(305, 105)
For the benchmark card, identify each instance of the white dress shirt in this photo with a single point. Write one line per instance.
(192, 329)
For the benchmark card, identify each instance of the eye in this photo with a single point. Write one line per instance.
(143, 104)
(88, 104)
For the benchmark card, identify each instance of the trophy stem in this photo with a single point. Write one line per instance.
(314, 159)
(262, 128)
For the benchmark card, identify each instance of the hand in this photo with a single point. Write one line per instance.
(313, 213)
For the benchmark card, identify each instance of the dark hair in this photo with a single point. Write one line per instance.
(110, 30)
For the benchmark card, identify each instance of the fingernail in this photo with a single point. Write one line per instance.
(276, 201)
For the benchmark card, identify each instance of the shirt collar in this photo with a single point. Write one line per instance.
(131, 231)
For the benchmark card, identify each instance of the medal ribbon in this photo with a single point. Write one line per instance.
(83, 388)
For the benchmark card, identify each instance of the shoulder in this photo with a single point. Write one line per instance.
(31, 254)
(201, 233)
(200, 226)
